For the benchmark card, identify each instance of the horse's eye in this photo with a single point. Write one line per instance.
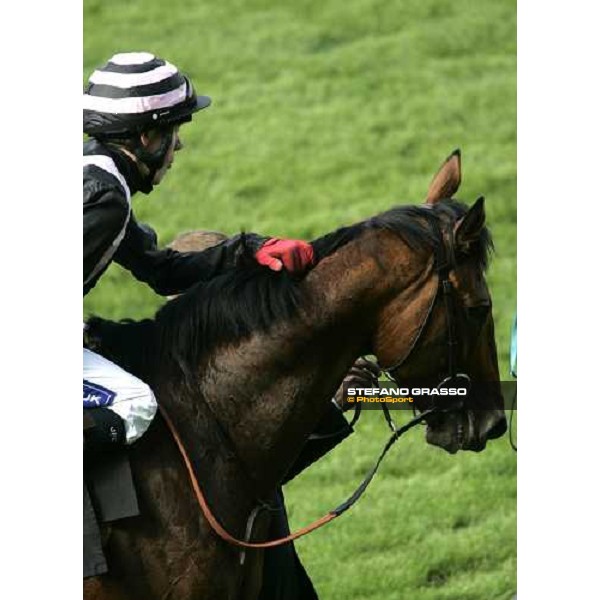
(478, 313)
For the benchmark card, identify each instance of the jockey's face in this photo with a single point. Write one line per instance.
(153, 140)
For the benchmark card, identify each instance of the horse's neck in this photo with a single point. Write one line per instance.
(270, 391)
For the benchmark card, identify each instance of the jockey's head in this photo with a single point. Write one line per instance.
(137, 101)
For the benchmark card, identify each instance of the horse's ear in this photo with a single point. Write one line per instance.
(469, 227)
(446, 181)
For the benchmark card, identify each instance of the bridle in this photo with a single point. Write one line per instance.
(444, 262)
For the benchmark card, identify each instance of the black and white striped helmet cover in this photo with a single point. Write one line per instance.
(137, 90)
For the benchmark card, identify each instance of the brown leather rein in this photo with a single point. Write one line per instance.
(210, 517)
(330, 516)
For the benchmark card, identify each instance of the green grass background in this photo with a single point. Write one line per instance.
(325, 113)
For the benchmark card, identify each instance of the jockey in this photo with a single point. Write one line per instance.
(133, 108)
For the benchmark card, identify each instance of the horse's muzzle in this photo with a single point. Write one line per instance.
(496, 427)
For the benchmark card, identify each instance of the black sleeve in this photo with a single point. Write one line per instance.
(104, 216)
(169, 272)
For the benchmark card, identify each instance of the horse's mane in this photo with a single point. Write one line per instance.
(250, 298)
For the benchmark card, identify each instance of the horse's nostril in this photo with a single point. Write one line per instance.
(497, 429)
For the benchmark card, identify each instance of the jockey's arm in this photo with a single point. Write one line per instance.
(170, 272)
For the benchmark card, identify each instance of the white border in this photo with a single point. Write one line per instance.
(559, 494)
(559, 252)
(41, 313)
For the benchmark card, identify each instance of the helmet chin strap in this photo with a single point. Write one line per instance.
(153, 161)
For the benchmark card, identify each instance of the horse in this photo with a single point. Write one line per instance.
(246, 363)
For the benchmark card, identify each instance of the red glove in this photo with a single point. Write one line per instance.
(295, 255)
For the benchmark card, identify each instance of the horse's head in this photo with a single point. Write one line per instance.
(442, 326)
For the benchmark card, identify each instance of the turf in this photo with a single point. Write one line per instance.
(325, 113)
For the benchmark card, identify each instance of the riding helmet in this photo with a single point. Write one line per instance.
(137, 91)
